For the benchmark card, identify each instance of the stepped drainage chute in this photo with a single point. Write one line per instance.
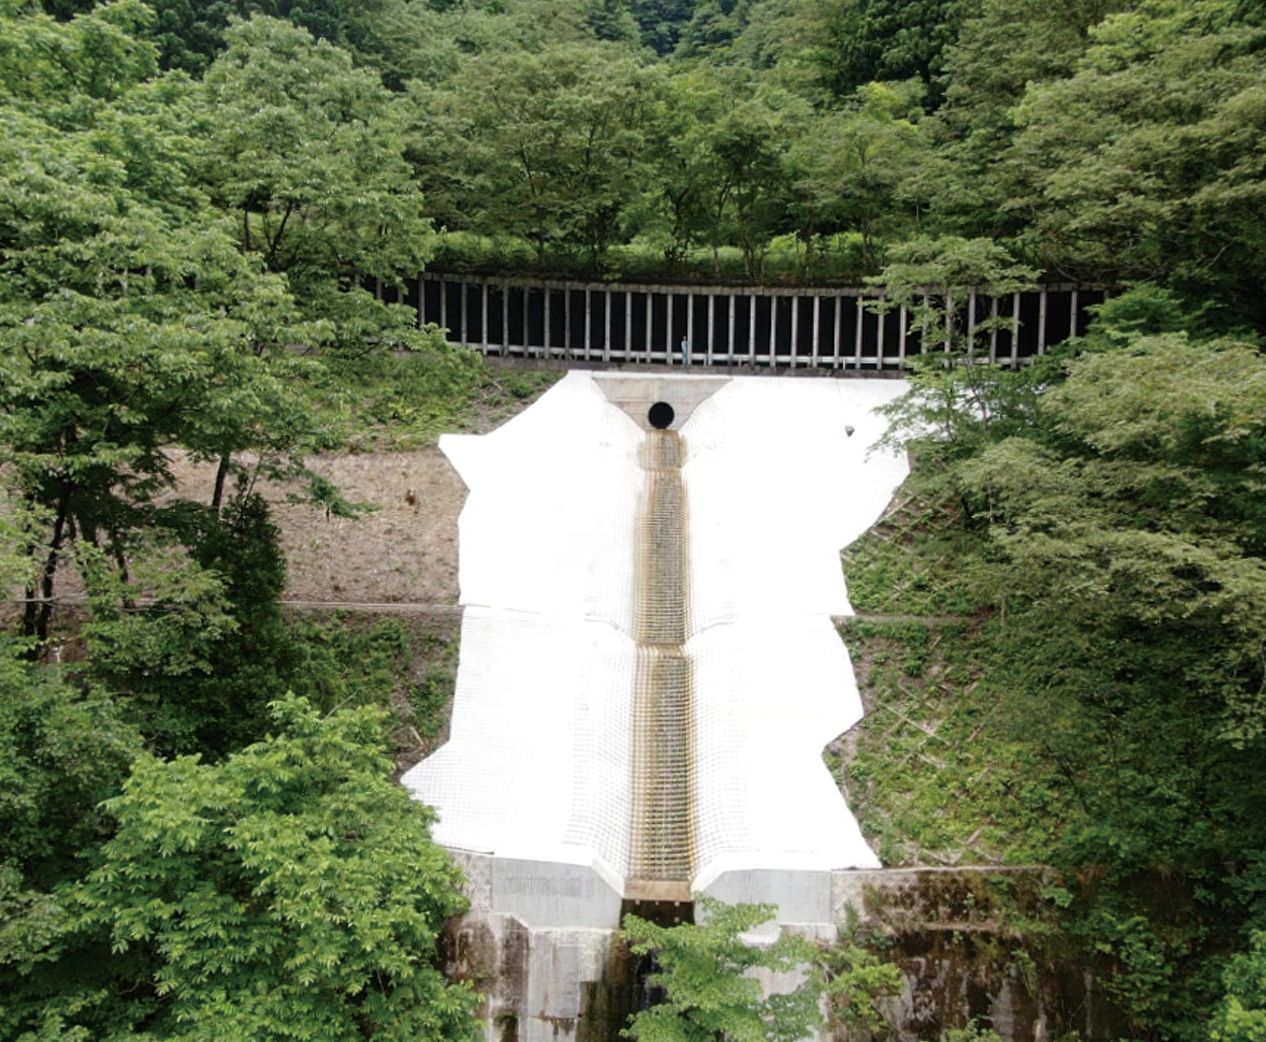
(661, 858)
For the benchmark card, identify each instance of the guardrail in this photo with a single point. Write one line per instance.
(754, 327)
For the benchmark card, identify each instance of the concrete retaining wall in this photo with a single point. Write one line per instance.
(962, 939)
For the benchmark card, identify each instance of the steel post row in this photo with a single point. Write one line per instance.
(720, 326)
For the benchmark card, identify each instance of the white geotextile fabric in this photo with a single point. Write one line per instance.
(538, 765)
(776, 486)
(548, 526)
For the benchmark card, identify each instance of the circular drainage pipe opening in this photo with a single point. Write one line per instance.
(661, 416)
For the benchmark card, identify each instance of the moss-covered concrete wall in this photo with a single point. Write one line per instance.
(973, 945)
(976, 945)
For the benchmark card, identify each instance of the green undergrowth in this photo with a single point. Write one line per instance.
(397, 403)
(348, 659)
(939, 771)
(935, 772)
(914, 561)
(504, 392)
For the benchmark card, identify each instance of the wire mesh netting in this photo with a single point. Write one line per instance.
(662, 827)
(662, 806)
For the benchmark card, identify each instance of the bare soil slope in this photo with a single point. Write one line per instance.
(402, 550)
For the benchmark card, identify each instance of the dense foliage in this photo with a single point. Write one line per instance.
(171, 251)
(805, 136)
(292, 891)
(706, 972)
(712, 975)
(1106, 520)
(1096, 140)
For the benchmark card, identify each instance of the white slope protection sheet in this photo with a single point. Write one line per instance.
(776, 486)
(538, 765)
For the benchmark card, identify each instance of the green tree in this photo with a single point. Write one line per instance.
(291, 892)
(849, 43)
(713, 27)
(851, 166)
(61, 755)
(748, 142)
(136, 315)
(1001, 48)
(197, 663)
(130, 320)
(681, 200)
(661, 22)
(1242, 1014)
(708, 995)
(307, 155)
(1143, 498)
(1126, 188)
(856, 981)
(552, 144)
(1125, 545)
(189, 35)
(97, 55)
(956, 394)
(611, 20)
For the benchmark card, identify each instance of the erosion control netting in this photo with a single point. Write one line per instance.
(660, 550)
(662, 822)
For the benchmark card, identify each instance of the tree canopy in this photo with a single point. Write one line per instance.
(292, 891)
(709, 994)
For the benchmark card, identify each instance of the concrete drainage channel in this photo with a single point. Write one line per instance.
(661, 860)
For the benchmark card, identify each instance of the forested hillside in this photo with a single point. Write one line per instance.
(199, 837)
